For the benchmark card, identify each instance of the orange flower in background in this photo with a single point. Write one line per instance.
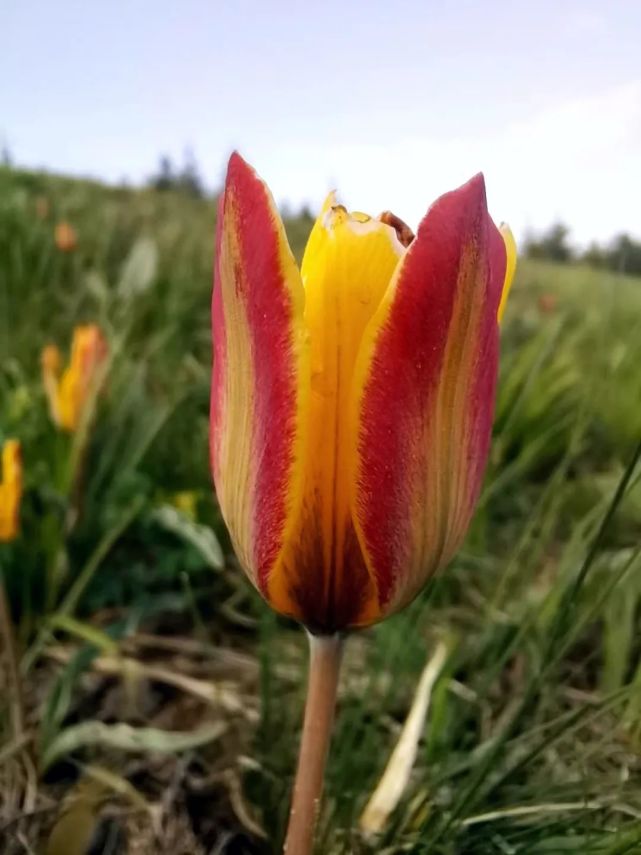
(352, 400)
(10, 490)
(547, 303)
(65, 237)
(67, 394)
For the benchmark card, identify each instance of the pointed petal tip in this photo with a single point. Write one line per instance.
(475, 188)
(236, 159)
(510, 243)
(331, 200)
(507, 233)
(467, 200)
(241, 173)
(237, 165)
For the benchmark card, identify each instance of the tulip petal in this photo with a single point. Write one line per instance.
(510, 267)
(88, 352)
(260, 356)
(423, 396)
(348, 264)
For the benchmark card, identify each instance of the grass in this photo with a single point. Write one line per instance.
(159, 699)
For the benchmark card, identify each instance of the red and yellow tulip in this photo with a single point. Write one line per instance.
(68, 393)
(353, 398)
(10, 490)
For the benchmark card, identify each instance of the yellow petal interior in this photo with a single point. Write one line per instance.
(348, 264)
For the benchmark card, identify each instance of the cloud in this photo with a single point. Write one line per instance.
(577, 160)
(586, 21)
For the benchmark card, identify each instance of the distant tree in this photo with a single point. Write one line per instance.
(298, 226)
(624, 254)
(595, 256)
(306, 214)
(552, 244)
(187, 179)
(164, 179)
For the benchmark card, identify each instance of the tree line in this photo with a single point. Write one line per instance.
(622, 253)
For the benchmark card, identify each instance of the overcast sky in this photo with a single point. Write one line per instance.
(390, 102)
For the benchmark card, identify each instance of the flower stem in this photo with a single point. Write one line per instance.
(8, 648)
(324, 667)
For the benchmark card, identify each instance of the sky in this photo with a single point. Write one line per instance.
(391, 103)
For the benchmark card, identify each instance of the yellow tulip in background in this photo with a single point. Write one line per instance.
(10, 490)
(351, 413)
(68, 392)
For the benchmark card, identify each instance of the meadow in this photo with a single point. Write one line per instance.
(150, 699)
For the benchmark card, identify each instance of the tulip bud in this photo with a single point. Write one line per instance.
(352, 400)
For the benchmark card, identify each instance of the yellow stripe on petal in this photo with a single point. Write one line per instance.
(510, 266)
(347, 266)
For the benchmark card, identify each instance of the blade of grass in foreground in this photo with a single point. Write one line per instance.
(70, 601)
(559, 626)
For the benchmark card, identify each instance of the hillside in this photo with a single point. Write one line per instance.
(131, 615)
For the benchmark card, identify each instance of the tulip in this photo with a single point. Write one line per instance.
(68, 394)
(351, 412)
(352, 401)
(10, 491)
(65, 237)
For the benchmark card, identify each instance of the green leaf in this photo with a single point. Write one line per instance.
(90, 634)
(127, 738)
(139, 270)
(202, 537)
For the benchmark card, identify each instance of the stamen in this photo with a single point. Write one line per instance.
(403, 231)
